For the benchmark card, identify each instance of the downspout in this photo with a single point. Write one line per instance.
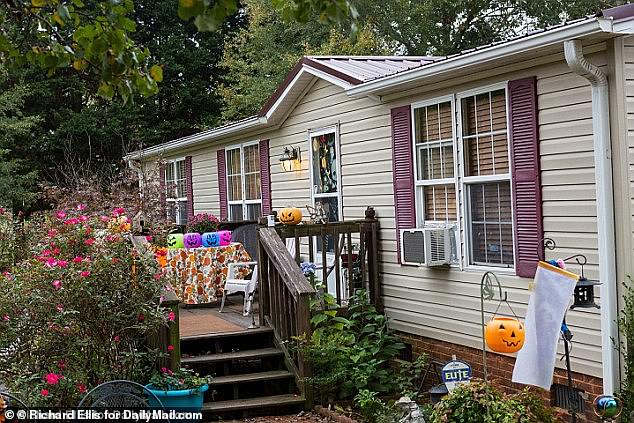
(605, 209)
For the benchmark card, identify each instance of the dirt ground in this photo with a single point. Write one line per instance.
(302, 417)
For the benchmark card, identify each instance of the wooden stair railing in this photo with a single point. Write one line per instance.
(284, 302)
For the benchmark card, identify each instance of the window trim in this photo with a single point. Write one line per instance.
(461, 185)
(243, 202)
(315, 133)
(177, 200)
(420, 206)
(465, 199)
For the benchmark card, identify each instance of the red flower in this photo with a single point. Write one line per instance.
(59, 307)
(171, 316)
(61, 364)
(170, 348)
(84, 273)
(117, 338)
(44, 392)
(57, 284)
(81, 388)
(78, 259)
(141, 317)
(52, 378)
(118, 211)
(60, 214)
(89, 241)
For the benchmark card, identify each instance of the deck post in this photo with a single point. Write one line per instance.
(172, 337)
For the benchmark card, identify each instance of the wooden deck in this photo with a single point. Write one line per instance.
(206, 319)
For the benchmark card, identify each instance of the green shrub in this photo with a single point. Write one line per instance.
(79, 310)
(626, 327)
(350, 352)
(478, 402)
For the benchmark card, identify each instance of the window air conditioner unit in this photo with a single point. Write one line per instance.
(438, 246)
(429, 246)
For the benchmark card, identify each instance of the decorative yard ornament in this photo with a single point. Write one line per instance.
(504, 334)
(317, 213)
(290, 216)
(413, 413)
(487, 292)
(211, 239)
(225, 237)
(547, 308)
(607, 407)
(175, 241)
(193, 240)
(455, 373)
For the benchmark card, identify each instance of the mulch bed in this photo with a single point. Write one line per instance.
(320, 415)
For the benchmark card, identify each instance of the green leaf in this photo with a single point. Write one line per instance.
(156, 72)
(318, 318)
(63, 12)
(106, 90)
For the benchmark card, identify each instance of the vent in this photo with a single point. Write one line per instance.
(438, 244)
(413, 247)
(568, 398)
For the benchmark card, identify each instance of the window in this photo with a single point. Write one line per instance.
(474, 168)
(176, 195)
(325, 172)
(487, 178)
(244, 192)
(435, 163)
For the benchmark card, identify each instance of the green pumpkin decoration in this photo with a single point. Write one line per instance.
(175, 241)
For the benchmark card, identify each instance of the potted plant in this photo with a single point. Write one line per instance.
(202, 223)
(182, 389)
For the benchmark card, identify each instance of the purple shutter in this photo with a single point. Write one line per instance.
(222, 183)
(162, 188)
(265, 177)
(189, 187)
(527, 201)
(403, 172)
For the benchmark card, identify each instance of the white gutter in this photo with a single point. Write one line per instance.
(487, 54)
(201, 137)
(605, 209)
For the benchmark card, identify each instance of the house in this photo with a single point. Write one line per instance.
(510, 143)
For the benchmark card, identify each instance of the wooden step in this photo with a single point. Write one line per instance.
(222, 335)
(234, 355)
(251, 377)
(253, 403)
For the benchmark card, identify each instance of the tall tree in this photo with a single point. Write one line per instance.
(258, 57)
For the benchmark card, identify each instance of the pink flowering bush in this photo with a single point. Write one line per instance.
(202, 222)
(79, 310)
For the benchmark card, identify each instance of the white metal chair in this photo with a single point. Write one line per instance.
(247, 236)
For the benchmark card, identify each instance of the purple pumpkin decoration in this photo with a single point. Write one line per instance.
(211, 239)
(193, 240)
(225, 237)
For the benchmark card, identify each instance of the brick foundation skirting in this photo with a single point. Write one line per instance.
(500, 369)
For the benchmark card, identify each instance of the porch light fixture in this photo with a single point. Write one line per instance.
(289, 156)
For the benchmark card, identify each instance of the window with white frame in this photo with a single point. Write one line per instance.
(244, 190)
(325, 172)
(176, 191)
(473, 167)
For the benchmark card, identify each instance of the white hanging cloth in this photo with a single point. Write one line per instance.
(547, 306)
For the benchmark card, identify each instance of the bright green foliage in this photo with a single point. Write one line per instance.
(478, 402)
(7, 241)
(440, 27)
(168, 380)
(79, 310)
(258, 58)
(626, 328)
(17, 178)
(93, 38)
(351, 352)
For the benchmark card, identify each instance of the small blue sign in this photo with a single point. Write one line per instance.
(455, 373)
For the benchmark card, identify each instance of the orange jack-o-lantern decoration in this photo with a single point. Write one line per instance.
(504, 334)
(290, 216)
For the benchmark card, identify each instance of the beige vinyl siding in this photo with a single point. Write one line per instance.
(444, 304)
(628, 82)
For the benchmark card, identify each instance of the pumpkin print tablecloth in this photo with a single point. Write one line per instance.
(201, 272)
